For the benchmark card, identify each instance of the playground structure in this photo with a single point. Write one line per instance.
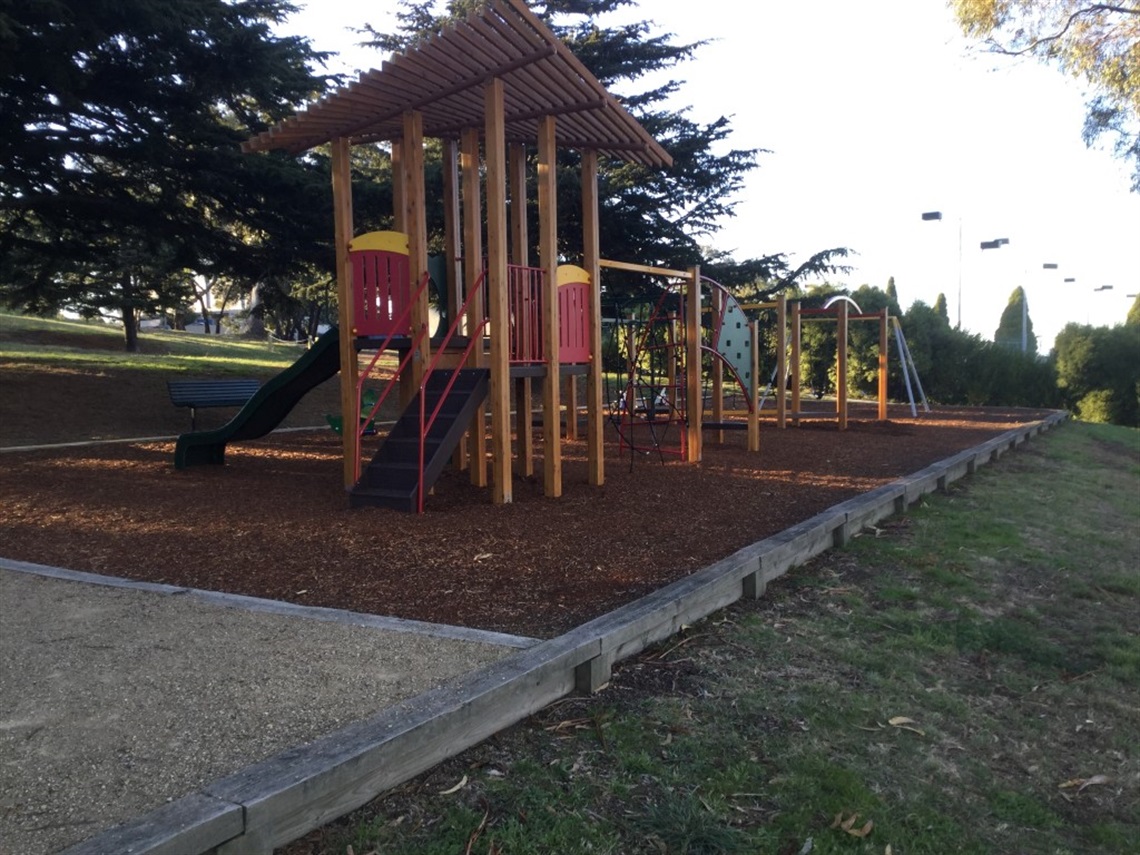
(684, 366)
(487, 87)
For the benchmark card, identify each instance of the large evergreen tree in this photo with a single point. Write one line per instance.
(653, 216)
(120, 167)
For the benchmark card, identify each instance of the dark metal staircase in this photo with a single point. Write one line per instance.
(392, 479)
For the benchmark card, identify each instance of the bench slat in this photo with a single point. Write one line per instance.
(211, 393)
(197, 394)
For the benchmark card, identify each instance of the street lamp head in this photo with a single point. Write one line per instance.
(990, 244)
(932, 215)
(1070, 279)
(1048, 265)
(1103, 288)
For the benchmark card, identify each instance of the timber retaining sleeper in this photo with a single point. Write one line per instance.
(274, 802)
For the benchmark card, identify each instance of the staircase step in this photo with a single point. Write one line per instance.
(392, 478)
(382, 497)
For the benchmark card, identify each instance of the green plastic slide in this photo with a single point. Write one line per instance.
(267, 408)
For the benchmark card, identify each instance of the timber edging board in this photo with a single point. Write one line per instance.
(276, 801)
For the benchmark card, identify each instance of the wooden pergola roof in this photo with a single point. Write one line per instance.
(443, 76)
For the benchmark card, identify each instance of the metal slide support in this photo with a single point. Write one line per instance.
(913, 367)
(905, 369)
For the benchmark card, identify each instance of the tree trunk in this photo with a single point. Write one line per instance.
(205, 315)
(129, 313)
(130, 329)
(255, 326)
(218, 317)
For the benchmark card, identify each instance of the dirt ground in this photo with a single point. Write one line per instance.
(274, 521)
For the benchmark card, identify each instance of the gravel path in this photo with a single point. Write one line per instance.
(114, 701)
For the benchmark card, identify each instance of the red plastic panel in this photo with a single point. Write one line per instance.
(381, 289)
(573, 322)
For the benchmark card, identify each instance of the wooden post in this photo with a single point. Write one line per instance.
(400, 224)
(841, 366)
(591, 262)
(495, 156)
(754, 404)
(342, 220)
(472, 273)
(883, 352)
(694, 392)
(717, 367)
(451, 252)
(415, 222)
(399, 205)
(548, 258)
(453, 298)
(780, 386)
(572, 406)
(797, 327)
(520, 254)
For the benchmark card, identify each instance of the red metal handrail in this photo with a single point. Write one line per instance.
(385, 340)
(474, 336)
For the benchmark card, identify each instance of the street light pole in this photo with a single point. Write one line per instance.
(928, 216)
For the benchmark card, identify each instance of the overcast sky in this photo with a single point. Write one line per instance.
(873, 113)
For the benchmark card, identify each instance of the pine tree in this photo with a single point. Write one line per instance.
(1015, 328)
(654, 216)
(120, 168)
(940, 308)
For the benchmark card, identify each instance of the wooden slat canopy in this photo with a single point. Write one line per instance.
(442, 77)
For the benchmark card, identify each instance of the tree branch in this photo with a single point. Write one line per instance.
(1096, 8)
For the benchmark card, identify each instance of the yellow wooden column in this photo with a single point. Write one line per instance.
(399, 204)
(400, 223)
(841, 366)
(591, 263)
(797, 328)
(694, 392)
(520, 254)
(453, 296)
(415, 222)
(780, 386)
(548, 258)
(883, 347)
(496, 161)
(472, 275)
(342, 221)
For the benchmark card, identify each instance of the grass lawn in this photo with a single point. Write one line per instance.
(964, 679)
(70, 381)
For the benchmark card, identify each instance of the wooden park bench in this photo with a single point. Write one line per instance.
(196, 394)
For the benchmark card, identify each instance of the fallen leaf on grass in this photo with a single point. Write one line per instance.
(1082, 783)
(462, 783)
(568, 724)
(848, 825)
(903, 723)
